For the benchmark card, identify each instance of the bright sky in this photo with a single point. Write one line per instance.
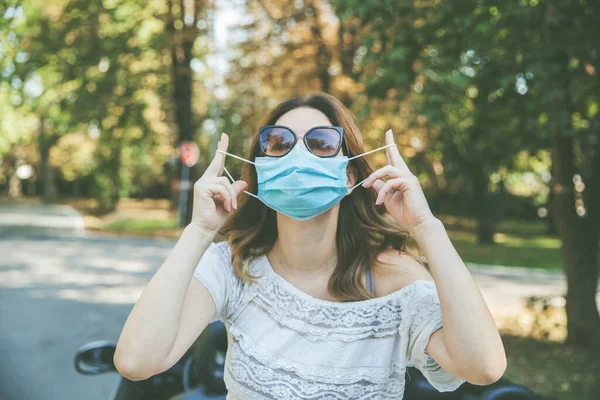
(226, 18)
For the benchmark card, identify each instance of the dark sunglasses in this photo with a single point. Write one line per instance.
(322, 141)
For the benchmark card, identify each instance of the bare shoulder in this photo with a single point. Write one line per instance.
(395, 270)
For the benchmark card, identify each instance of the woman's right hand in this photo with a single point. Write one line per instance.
(214, 195)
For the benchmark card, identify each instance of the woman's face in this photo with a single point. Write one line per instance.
(300, 120)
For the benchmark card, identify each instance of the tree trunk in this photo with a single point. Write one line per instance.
(14, 187)
(481, 207)
(181, 57)
(45, 169)
(323, 56)
(115, 193)
(182, 89)
(108, 177)
(579, 248)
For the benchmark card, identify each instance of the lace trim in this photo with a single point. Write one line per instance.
(321, 373)
(253, 379)
(317, 322)
(263, 263)
(425, 323)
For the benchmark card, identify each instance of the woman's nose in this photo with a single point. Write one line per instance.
(301, 142)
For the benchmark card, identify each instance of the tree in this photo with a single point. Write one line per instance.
(95, 67)
(529, 81)
(569, 44)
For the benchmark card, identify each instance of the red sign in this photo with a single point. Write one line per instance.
(190, 153)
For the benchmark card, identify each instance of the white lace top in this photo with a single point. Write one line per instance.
(285, 344)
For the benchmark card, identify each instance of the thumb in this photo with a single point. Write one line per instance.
(239, 186)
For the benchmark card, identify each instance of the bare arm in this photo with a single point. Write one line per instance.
(174, 308)
(151, 330)
(469, 344)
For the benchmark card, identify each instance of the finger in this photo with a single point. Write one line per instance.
(227, 183)
(387, 189)
(235, 189)
(378, 184)
(239, 187)
(215, 168)
(393, 153)
(387, 150)
(219, 189)
(388, 170)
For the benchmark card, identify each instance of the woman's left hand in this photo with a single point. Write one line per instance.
(401, 192)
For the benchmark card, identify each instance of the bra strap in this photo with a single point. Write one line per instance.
(370, 281)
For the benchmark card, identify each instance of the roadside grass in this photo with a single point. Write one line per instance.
(147, 217)
(552, 369)
(517, 243)
(539, 359)
(150, 227)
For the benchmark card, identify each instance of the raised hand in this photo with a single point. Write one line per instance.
(214, 195)
(401, 191)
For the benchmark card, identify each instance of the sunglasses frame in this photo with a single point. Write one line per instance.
(338, 129)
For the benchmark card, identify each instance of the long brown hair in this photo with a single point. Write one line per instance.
(363, 231)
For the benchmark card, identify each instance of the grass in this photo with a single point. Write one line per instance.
(141, 226)
(539, 359)
(552, 369)
(132, 217)
(516, 243)
(514, 253)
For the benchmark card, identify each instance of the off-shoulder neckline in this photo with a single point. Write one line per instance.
(282, 282)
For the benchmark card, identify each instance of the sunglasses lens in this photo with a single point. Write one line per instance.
(323, 142)
(276, 142)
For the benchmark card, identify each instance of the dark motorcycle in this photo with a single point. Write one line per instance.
(198, 375)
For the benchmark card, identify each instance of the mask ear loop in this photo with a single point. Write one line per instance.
(369, 152)
(364, 154)
(229, 175)
(234, 156)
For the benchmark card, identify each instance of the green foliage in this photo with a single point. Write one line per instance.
(94, 70)
(486, 80)
(467, 86)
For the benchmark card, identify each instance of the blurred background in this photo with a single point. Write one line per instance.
(494, 105)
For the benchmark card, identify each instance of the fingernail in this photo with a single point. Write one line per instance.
(235, 204)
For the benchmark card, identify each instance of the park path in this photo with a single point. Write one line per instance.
(505, 289)
(40, 221)
(58, 293)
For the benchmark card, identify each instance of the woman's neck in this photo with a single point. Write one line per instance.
(306, 248)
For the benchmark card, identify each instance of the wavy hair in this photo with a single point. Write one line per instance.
(363, 229)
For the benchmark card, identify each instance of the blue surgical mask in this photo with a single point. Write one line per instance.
(300, 184)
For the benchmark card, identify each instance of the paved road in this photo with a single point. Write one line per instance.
(505, 289)
(57, 294)
(40, 220)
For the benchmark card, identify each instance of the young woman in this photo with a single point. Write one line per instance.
(315, 284)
